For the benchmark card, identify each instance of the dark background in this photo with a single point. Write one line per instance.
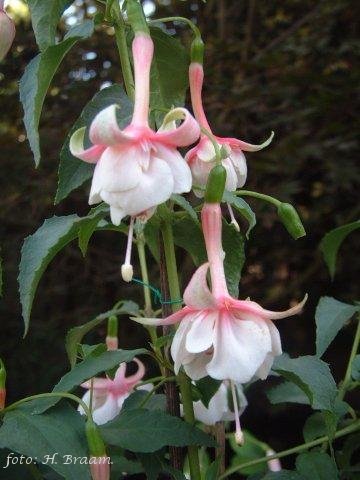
(286, 66)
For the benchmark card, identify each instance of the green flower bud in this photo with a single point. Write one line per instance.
(197, 50)
(95, 442)
(2, 374)
(291, 220)
(215, 185)
(136, 17)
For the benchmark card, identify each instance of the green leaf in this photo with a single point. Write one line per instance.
(88, 368)
(243, 207)
(332, 241)
(314, 427)
(45, 16)
(283, 475)
(147, 431)
(135, 400)
(86, 229)
(233, 245)
(169, 78)
(212, 472)
(37, 78)
(287, 392)
(316, 466)
(312, 375)
(38, 436)
(330, 316)
(251, 450)
(188, 235)
(154, 464)
(207, 388)
(40, 248)
(76, 334)
(185, 205)
(355, 368)
(73, 172)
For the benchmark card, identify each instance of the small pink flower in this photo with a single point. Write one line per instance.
(202, 158)
(219, 335)
(137, 168)
(109, 395)
(100, 468)
(7, 31)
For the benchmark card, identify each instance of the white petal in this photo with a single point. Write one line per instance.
(231, 178)
(197, 293)
(107, 411)
(218, 406)
(240, 348)
(206, 151)
(178, 351)
(239, 162)
(201, 334)
(196, 368)
(99, 398)
(104, 129)
(275, 338)
(116, 214)
(179, 168)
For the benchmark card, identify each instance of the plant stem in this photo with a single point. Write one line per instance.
(193, 27)
(183, 380)
(49, 395)
(121, 43)
(353, 427)
(144, 274)
(347, 379)
(260, 196)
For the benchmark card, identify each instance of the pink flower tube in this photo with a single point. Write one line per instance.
(137, 168)
(7, 31)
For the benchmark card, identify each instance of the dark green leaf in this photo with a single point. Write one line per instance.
(251, 450)
(38, 436)
(37, 78)
(40, 248)
(45, 16)
(185, 205)
(146, 431)
(316, 466)
(331, 315)
(243, 207)
(86, 229)
(314, 427)
(312, 375)
(169, 78)
(121, 466)
(332, 241)
(155, 463)
(287, 392)
(136, 399)
(188, 235)
(72, 171)
(212, 472)
(88, 368)
(283, 475)
(76, 334)
(233, 245)
(355, 369)
(207, 388)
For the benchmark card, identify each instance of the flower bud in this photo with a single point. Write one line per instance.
(2, 385)
(197, 50)
(112, 342)
(100, 468)
(215, 185)
(136, 17)
(274, 464)
(7, 32)
(291, 220)
(95, 442)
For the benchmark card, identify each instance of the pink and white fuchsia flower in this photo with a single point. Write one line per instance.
(7, 31)
(109, 395)
(220, 336)
(202, 158)
(137, 168)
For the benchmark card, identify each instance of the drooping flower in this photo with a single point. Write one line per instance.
(220, 336)
(109, 395)
(137, 168)
(7, 31)
(202, 158)
(218, 409)
(100, 468)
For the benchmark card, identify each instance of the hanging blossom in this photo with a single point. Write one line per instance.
(220, 336)
(202, 158)
(218, 409)
(137, 168)
(109, 395)
(7, 31)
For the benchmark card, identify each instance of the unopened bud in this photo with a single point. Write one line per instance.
(94, 439)
(274, 464)
(112, 343)
(215, 185)
(127, 272)
(100, 468)
(7, 32)
(197, 50)
(291, 220)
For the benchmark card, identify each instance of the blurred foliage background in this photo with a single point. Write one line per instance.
(286, 66)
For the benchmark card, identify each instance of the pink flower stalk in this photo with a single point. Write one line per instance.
(202, 158)
(137, 168)
(100, 468)
(7, 31)
(220, 336)
(109, 395)
(2, 398)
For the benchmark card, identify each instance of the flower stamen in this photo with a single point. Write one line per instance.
(127, 270)
(233, 219)
(239, 436)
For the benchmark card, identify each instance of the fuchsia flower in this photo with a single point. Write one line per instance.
(202, 158)
(137, 168)
(109, 395)
(7, 31)
(100, 468)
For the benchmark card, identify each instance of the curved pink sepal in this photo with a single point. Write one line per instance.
(183, 135)
(76, 145)
(104, 129)
(246, 147)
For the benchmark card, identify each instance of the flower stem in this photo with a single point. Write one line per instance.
(182, 379)
(193, 27)
(347, 379)
(353, 427)
(260, 196)
(144, 274)
(121, 43)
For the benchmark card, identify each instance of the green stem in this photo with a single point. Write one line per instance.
(183, 380)
(193, 27)
(34, 471)
(50, 395)
(215, 144)
(121, 43)
(353, 427)
(144, 274)
(261, 196)
(355, 347)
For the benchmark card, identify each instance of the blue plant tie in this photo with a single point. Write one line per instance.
(157, 294)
